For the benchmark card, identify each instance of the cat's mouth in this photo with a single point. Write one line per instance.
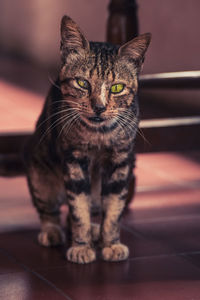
(96, 119)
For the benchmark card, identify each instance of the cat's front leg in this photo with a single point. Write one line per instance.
(77, 184)
(114, 193)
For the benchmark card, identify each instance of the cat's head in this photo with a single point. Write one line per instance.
(99, 80)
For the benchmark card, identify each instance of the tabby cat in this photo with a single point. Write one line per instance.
(82, 151)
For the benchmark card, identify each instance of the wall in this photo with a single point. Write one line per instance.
(31, 28)
(175, 26)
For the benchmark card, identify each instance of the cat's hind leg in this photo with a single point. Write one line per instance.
(46, 190)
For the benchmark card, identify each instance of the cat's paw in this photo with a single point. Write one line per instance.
(115, 252)
(51, 235)
(95, 231)
(81, 254)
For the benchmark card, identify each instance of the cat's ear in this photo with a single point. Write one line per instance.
(72, 39)
(136, 48)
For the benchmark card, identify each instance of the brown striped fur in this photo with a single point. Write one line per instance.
(82, 151)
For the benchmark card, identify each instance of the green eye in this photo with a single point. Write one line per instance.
(117, 88)
(83, 83)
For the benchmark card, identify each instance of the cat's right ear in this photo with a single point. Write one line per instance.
(72, 39)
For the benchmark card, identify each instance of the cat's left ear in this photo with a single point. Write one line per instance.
(72, 38)
(136, 48)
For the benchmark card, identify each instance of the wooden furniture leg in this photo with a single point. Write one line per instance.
(122, 23)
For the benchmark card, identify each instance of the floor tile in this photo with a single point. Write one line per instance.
(170, 219)
(24, 285)
(151, 278)
(24, 247)
(182, 233)
(8, 264)
(142, 246)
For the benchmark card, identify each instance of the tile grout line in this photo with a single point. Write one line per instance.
(49, 283)
(184, 255)
(133, 232)
(180, 254)
(43, 279)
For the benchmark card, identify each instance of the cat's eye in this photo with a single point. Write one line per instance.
(83, 83)
(117, 88)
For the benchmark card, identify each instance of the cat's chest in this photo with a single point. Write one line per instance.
(97, 145)
(91, 142)
(98, 139)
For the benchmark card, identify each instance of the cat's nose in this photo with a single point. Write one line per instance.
(98, 108)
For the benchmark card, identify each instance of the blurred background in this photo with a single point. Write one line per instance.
(30, 29)
(29, 51)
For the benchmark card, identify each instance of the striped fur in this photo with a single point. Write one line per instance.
(82, 151)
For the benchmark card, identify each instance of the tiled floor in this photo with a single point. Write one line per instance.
(161, 228)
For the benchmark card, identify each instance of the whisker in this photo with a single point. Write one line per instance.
(69, 124)
(130, 117)
(56, 123)
(53, 115)
(124, 125)
(143, 136)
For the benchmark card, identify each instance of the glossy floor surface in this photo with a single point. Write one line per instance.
(161, 228)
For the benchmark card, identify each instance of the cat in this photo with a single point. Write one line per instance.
(82, 151)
